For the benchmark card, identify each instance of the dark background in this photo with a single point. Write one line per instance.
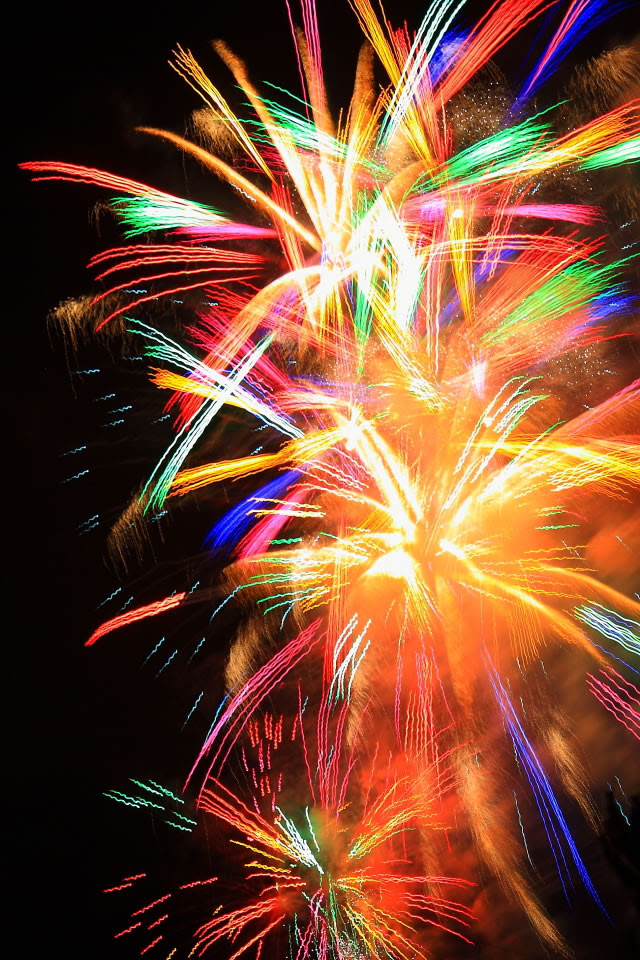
(81, 721)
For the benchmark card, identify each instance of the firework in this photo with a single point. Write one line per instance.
(420, 343)
(335, 864)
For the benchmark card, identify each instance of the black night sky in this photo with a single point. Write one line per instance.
(83, 721)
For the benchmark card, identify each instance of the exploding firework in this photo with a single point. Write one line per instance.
(418, 322)
(336, 869)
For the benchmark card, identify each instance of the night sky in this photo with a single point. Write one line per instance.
(83, 721)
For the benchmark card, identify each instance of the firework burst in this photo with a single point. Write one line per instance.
(437, 483)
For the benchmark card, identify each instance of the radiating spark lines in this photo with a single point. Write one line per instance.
(406, 413)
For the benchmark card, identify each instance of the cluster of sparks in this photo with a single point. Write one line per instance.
(428, 493)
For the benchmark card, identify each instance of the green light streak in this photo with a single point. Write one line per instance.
(557, 526)
(156, 489)
(130, 801)
(142, 214)
(313, 834)
(611, 625)
(628, 152)
(569, 290)
(300, 848)
(179, 826)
